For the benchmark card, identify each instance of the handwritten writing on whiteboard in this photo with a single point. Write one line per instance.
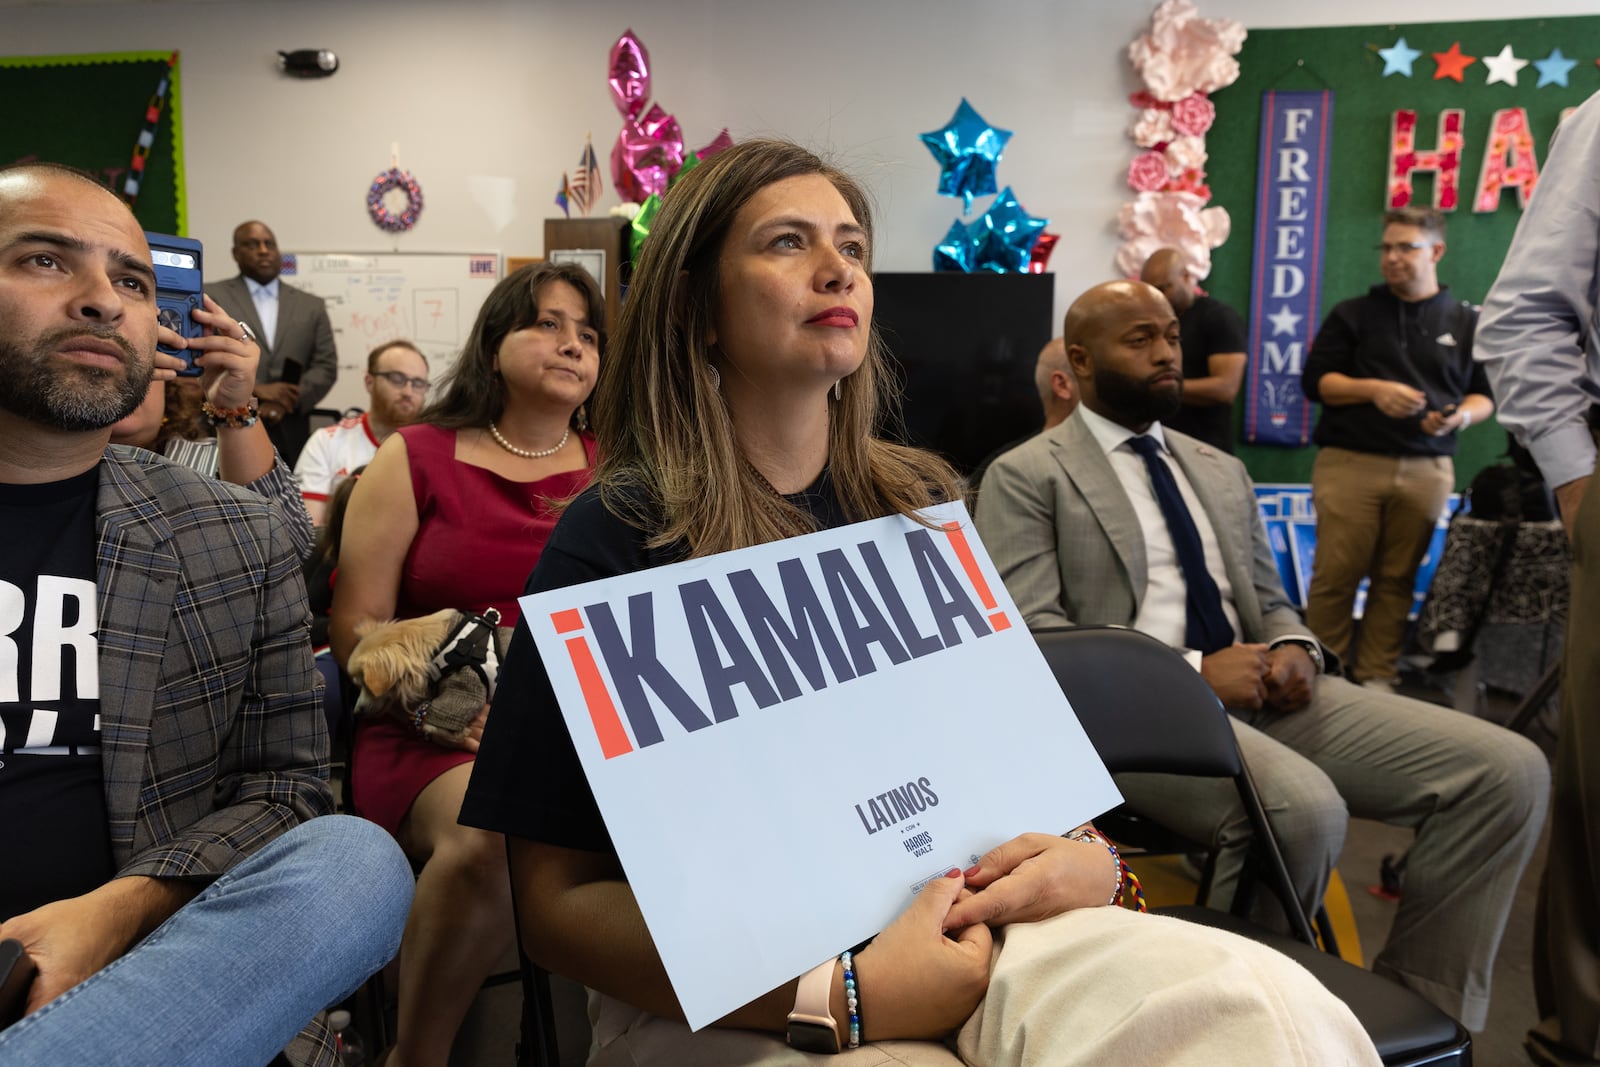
(430, 299)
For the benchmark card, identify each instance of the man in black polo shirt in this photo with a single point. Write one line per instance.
(1212, 337)
(1394, 373)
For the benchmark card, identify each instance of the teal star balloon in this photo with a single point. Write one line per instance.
(967, 149)
(1398, 57)
(1553, 69)
(1002, 239)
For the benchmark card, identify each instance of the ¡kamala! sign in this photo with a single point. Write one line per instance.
(787, 742)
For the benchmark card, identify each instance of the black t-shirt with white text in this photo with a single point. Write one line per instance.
(53, 836)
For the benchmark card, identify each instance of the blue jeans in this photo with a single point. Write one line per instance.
(240, 969)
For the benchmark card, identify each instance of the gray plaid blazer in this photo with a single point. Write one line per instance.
(1065, 539)
(213, 741)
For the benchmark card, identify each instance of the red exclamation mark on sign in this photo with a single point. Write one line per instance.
(602, 711)
(969, 563)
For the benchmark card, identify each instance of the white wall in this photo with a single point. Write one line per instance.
(506, 89)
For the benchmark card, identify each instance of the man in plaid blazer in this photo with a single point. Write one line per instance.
(1076, 526)
(163, 758)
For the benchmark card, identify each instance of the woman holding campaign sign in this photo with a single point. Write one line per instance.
(450, 516)
(744, 385)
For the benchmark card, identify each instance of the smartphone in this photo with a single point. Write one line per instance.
(178, 290)
(16, 976)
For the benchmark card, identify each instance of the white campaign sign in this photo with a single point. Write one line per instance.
(788, 741)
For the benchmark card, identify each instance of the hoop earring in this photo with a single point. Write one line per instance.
(838, 390)
(716, 377)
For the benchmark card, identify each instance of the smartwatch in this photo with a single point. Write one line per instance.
(1313, 650)
(811, 1025)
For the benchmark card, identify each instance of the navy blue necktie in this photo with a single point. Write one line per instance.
(1206, 627)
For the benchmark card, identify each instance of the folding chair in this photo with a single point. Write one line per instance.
(1145, 709)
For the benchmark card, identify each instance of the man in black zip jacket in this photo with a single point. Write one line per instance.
(1394, 373)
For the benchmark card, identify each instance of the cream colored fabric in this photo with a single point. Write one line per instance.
(1092, 987)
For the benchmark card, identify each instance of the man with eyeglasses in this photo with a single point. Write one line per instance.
(397, 388)
(1394, 372)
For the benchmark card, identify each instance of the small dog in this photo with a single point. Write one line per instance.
(435, 672)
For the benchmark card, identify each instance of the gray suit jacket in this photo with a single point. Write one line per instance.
(212, 738)
(1066, 541)
(212, 735)
(304, 334)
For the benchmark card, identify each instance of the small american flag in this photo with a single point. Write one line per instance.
(585, 188)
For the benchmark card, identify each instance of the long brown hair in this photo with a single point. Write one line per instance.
(472, 394)
(671, 441)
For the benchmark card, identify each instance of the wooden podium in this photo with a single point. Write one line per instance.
(604, 244)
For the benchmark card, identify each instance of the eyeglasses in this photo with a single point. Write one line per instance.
(1402, 247)
(400, 381)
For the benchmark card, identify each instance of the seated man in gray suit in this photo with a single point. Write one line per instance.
(166, 857)
(1110, 519)
(298, 359)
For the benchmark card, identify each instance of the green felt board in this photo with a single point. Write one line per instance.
(1346, 60)
(87, 111)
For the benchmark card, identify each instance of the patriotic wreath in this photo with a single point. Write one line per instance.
(391, 179)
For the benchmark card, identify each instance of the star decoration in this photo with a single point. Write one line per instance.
(1451, 64)
(1553, 69)
(1503, 67)
(1002, 239)
(1398, 57)
(967, 149)
(1285, 321)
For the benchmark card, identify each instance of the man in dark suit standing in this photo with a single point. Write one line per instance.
(298, 359)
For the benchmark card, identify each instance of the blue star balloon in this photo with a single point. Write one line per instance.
(967, 149)
(1004, 237)
(955, 251)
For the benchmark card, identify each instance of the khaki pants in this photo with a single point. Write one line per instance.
(1095, 986)
(1375, 517)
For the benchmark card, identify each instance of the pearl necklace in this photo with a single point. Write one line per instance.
(499, 439)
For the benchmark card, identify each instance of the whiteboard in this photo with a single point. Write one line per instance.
(429, 298)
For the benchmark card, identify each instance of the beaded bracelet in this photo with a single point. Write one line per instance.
(1125, 876)
(234, 418)
(419, 716)
(851, 997)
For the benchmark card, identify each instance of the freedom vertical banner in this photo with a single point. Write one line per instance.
(788, 741)
(1291, 217)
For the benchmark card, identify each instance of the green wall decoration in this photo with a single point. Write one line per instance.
(1346, 60)
(87, 111)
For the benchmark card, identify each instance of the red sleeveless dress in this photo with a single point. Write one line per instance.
(478, 536)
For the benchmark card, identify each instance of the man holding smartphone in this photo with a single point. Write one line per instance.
(162, 749)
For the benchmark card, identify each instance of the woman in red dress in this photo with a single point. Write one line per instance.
(453, 513)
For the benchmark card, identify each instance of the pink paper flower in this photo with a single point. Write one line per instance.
(1148, 172)
(1151, 128)
(1193, 115)
(1177, 220)
(1186, 153)
(1185, 54)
